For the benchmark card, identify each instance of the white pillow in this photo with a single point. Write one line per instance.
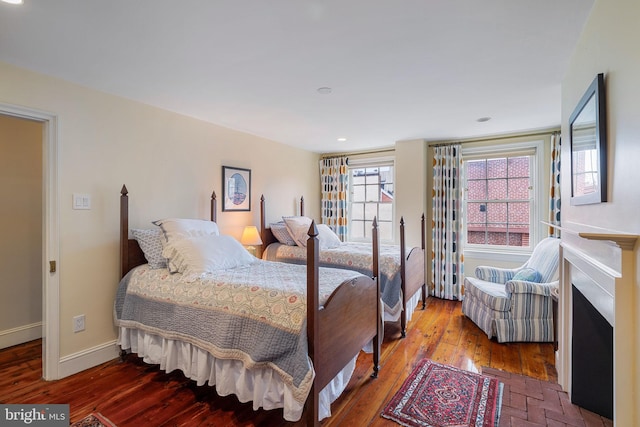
(298, 228)
(178, 228)
(199, 255)
(328, 239)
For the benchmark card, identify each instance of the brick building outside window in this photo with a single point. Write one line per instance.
(502, 196)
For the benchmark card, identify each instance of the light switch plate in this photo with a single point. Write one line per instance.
(81, 201)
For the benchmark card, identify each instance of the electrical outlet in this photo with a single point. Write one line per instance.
(78, 323)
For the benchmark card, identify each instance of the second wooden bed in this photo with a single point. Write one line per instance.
(402, 280)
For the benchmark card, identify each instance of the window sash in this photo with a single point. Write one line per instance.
(505, 224)
(365, 201)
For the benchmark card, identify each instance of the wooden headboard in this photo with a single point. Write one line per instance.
(130, 253)
(265, 232)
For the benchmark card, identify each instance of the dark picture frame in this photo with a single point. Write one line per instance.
(588, 144)
(236, 189)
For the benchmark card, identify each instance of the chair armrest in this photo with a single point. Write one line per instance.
(495, 274)
(524, 287)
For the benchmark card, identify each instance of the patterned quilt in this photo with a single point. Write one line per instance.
(352, 256)
(256, 314)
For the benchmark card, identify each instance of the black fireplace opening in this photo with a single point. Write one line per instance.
(591, 358)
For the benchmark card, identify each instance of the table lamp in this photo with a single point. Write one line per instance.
(251, 238)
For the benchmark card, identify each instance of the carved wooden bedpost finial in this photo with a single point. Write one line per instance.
(124, 190)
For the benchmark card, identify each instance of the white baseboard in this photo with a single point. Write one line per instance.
(85, 359)
(20, 335)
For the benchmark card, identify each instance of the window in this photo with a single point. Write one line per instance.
(499, 198)
(371, 192)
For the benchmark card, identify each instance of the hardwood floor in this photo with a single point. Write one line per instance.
(131, 393)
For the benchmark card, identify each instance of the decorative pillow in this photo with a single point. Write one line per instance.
(528, 275)
(198, 255)
(150, 242)
(279, 230)
(298, 228)
(328, 239)
(178, 228)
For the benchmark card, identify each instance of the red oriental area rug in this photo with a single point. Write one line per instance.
(438, 395)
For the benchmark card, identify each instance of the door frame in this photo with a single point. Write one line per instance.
(50, 236)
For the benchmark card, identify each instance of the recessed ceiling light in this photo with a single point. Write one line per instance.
(324, 90)
(483, 119)
(13, 1)
(342, 139)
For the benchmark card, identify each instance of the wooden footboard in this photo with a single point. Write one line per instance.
(349, 320)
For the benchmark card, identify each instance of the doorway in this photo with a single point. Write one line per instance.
(44, 297)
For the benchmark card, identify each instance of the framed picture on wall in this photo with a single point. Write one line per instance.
(236, 189)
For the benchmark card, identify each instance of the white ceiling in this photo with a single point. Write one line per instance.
(398, 69)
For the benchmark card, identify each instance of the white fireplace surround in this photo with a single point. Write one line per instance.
(602, 266)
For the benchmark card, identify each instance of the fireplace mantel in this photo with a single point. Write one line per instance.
(609, 259)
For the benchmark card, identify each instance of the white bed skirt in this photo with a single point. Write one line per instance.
(393, 314)
(260, 385)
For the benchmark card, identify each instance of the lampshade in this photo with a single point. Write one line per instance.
(250, 236)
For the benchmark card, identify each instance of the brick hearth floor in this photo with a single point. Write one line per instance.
(528, 402)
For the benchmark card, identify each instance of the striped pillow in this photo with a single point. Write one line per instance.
(279, 231)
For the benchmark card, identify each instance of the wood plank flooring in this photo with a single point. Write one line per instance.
(131, 393)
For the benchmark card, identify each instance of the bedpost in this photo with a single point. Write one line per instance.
(313, 298)
(377, 340)
(422, 228)
(124, 231)
(301, 205)
(214, 207)
(403, 280)
(424, 285)
(263, 225)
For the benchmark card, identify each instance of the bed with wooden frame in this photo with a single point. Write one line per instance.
(411, 268)
(331, 345)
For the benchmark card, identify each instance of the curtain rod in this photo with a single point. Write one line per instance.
(550, 131)
(356, 153)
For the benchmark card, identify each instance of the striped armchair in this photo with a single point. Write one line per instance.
(515, 304)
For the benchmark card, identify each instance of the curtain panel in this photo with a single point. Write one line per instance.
(447, 259)
(334, 177)
(554, 190)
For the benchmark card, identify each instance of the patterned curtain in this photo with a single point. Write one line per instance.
(447, 259)
(334, 176)
(554, 190)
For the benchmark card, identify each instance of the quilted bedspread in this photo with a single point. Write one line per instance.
(256, 314)
(352, 256)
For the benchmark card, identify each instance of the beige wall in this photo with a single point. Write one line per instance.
(411, 194)
(21, 230)
(170, 164)
(609, 45)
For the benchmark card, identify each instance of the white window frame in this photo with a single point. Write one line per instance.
(372, 163)
(538, 210)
